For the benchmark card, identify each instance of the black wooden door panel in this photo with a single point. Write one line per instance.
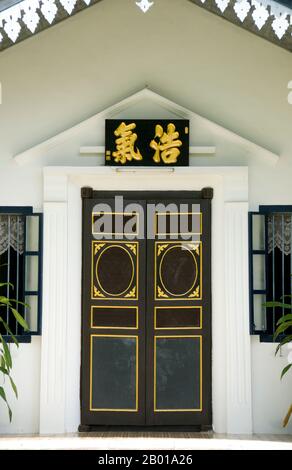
(178, 315)
(146, 318)
(113, 317)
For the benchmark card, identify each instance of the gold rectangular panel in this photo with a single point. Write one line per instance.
(133, 214)
(177, 214)
(134, 311)
(156, 410)
(129, 410)
(196, 311)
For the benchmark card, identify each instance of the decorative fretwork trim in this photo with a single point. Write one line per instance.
(261, 11)
(144, 5)
(267, 18)
(31, 16)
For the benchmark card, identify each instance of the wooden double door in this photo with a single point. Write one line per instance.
(146, 308)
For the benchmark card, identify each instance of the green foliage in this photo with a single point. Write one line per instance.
(285, 370)
(283, 324)
(5, 355)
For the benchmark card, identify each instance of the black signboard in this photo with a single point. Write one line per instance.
(145, 142)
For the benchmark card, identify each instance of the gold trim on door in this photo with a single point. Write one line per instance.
(129, 410)
(176, 327)
(115, 327)
(97, 291)
(201, 375)
(160, 248)
(116, 245)
(160, 273)
(158, 214)
(115, 233)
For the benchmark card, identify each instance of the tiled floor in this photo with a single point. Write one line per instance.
(148, 441)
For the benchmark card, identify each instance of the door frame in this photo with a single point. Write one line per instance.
(231, 359)
(88, 193)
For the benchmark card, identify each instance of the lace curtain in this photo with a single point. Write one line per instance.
(11, 233)
(279, 232)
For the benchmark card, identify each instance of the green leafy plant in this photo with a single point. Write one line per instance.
(5, 355)
(283, 324)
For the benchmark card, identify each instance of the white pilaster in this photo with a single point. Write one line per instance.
(54, 327)
(238, 358)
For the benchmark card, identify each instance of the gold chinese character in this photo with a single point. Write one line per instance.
(125, 144)
(167, 147)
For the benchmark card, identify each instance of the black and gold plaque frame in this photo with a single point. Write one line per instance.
(146, 142)
(146, 315)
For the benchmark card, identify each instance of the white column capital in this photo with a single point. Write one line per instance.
(55, 186)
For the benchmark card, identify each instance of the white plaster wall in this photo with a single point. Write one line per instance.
(22, 187)
(26, 374)
(72, 71)
(271, 397)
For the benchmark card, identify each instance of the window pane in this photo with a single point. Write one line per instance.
(279, 264)
(11, 266)
(31, 273)
(31, 313)
(32, 233)
(259, 272)
(18, 234)
(260, 312)
(258, 235)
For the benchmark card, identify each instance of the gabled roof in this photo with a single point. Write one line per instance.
(4, 4)
(20, 19)
(270, 19)
(66, 146)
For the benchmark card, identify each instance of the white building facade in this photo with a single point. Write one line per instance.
(58, 89)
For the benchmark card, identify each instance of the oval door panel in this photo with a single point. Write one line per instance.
(178, 270)
(115, 270)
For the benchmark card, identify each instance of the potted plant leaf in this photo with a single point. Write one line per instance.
(284, 336)
(5, 354)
